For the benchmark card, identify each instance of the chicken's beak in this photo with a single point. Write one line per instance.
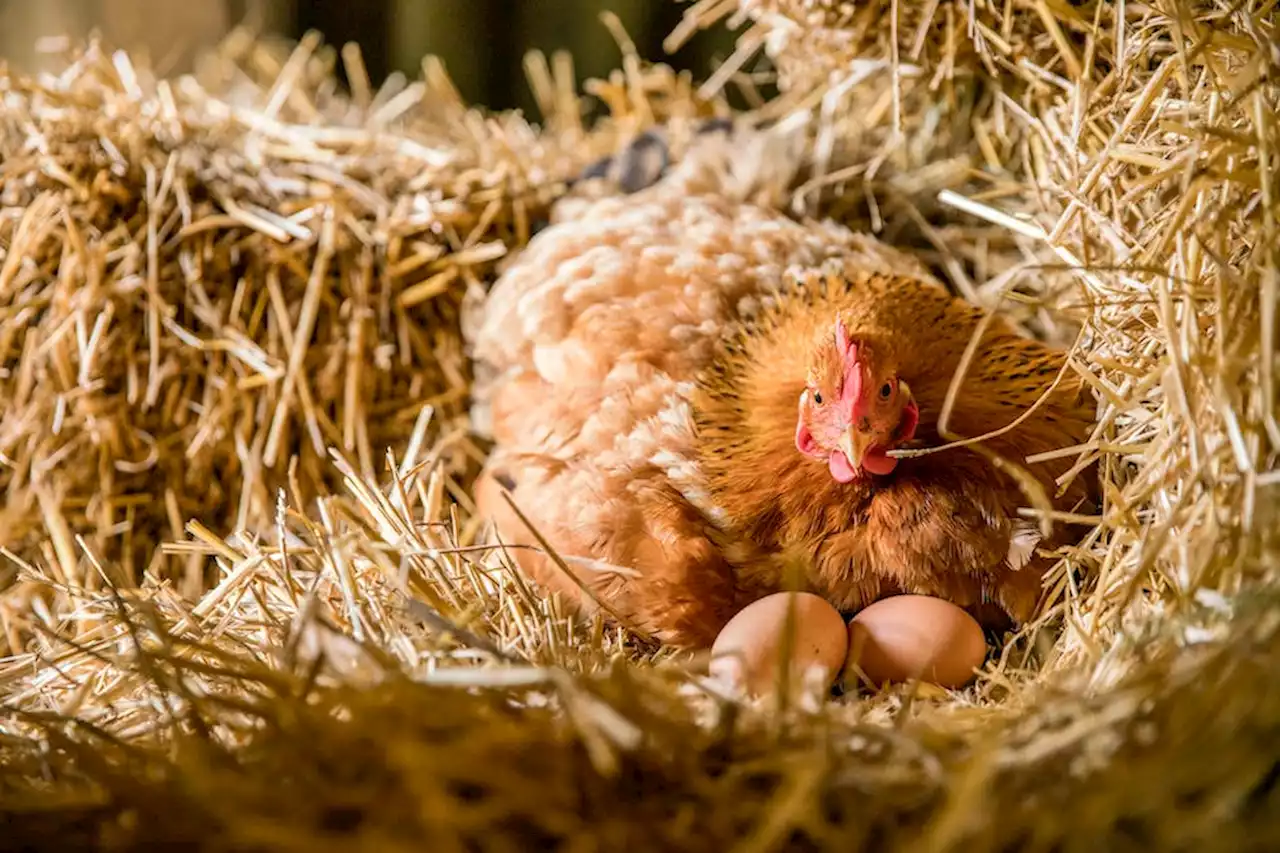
(854, 444)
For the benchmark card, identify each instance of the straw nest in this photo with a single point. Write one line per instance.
(230, 342)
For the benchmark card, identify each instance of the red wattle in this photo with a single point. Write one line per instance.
(841, 470)
(876, 461)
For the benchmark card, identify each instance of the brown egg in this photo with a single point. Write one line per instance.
(748, 652)
(915, 636)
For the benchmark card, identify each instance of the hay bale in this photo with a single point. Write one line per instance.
(403, 765)
(1125, 153)
(363, 673)
(209, 282)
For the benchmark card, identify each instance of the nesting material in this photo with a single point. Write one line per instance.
(362, 670)
(1125, 153)
(210, 282)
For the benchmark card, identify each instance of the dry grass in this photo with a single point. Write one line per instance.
(1102, 171)
(206, 279)
(209, 282)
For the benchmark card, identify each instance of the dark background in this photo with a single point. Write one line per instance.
(481, 42)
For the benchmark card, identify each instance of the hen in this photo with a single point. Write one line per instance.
(692, 399)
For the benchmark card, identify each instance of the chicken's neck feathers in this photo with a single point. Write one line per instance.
(745, 405)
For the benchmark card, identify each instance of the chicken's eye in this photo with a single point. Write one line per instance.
(817, 398)
(885, 391)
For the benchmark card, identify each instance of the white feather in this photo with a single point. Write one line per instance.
(1022, 545)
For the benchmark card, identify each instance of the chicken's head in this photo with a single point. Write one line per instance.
(855, 407)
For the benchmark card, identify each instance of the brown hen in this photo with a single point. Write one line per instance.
(693, 399)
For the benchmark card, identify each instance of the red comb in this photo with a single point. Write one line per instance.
(843, 344)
